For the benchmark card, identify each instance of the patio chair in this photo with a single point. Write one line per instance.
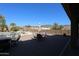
(15, 38)
(39, 37)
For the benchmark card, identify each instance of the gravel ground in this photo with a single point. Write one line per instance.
(52, 46)
(26, 37)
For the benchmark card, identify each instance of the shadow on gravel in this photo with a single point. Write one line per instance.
(50, 46)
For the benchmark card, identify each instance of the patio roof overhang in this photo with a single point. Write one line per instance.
(72, 10)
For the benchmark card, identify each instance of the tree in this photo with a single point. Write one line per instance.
(14, 27)
(28, 26)
(61, 26)
(13, 24)
(2, 23)
(57, 27)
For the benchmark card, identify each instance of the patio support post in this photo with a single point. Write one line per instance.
(74, 33)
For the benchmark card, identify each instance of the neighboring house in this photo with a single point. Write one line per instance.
(41, 28)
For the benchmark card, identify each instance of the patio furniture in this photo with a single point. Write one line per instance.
(39, 37)
(15, 38)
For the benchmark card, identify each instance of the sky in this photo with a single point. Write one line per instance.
(34, 13)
